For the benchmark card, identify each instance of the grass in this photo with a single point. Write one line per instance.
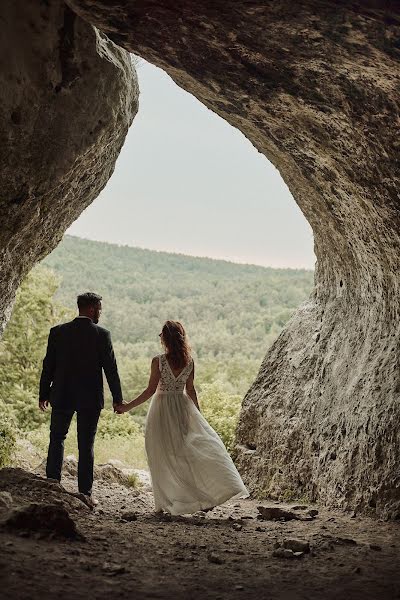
(133, 481)
(129, 450)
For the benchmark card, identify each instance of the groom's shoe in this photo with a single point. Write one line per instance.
(87, 499)
(91, 502)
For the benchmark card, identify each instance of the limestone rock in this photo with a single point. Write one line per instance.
(272, 513)
(345, 541)
(111, 473)
(47, 519)
(6, 500)
(129, 516)
(110, 568)
(213, 557)
(286, 553)
(312, 512)
(296, 545)
(139, 477)
(375, 547)
(29, 487)
(315, 89)
(68, 96)
(70, 465)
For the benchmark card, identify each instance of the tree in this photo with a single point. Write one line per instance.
(23, 345)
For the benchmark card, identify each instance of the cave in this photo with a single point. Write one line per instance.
(314, 86)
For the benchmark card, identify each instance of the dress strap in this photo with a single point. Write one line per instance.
(160, 362)
(188, 369)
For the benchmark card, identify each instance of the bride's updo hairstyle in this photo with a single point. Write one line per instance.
(176, 344)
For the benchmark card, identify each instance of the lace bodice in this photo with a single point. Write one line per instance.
(168, 382)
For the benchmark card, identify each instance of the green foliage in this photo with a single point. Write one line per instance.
(236, 375)
(23, 345)
(112, 425)
(221, 411)
(231, 311)
(8, 435)
(39, 438)
(133, 481)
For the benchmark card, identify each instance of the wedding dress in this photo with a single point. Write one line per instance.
(189, 465)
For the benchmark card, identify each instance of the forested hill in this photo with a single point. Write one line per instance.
(228, 309)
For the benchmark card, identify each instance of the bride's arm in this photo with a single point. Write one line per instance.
(149, 391)
(190, 389)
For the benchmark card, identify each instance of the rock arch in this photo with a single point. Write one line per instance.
(68, 96)
(314, 86)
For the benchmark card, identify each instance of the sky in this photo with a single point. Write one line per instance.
(186, 181)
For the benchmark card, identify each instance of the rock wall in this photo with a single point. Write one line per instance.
(315, 86)
(68, 96)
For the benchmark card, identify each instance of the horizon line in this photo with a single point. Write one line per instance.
(118, 245)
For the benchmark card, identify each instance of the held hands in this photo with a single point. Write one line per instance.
(121, 408)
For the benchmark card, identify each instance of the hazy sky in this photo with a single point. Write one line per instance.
(188, 182)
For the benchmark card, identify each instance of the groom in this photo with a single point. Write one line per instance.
(72, 381)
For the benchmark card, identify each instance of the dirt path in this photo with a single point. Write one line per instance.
(227, 553)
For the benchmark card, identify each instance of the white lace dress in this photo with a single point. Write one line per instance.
(189, 465)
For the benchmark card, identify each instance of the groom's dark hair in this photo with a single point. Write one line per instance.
(88, 299)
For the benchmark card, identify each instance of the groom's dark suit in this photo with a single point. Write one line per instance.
(72, 380)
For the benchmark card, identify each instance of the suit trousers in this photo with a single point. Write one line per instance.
(86, 427)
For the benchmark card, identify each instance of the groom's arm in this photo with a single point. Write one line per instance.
(109, 365)
(49, 365)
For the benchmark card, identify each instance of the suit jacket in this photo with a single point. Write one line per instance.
(72, 377)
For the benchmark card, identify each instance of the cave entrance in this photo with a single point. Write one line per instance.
(315, 88)
(188, 182)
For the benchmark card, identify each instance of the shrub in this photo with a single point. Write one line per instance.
(221, 411)
(112, 425)
(133, 481)
(8, 435)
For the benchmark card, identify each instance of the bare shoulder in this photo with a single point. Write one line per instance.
(155, 361)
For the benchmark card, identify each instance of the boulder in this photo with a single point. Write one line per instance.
(296, 545)
(6, 500)
(70, 465)
(46, 519)
(111, 473)
(28, 487)
(68, 96)
(274, 513)
(129, 516)
(286, 553)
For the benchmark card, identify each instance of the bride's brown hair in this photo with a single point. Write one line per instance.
(178, 349)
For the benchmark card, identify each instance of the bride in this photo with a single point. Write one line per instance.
(190, 467)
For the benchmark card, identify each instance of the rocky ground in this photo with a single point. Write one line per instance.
(54, 546)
